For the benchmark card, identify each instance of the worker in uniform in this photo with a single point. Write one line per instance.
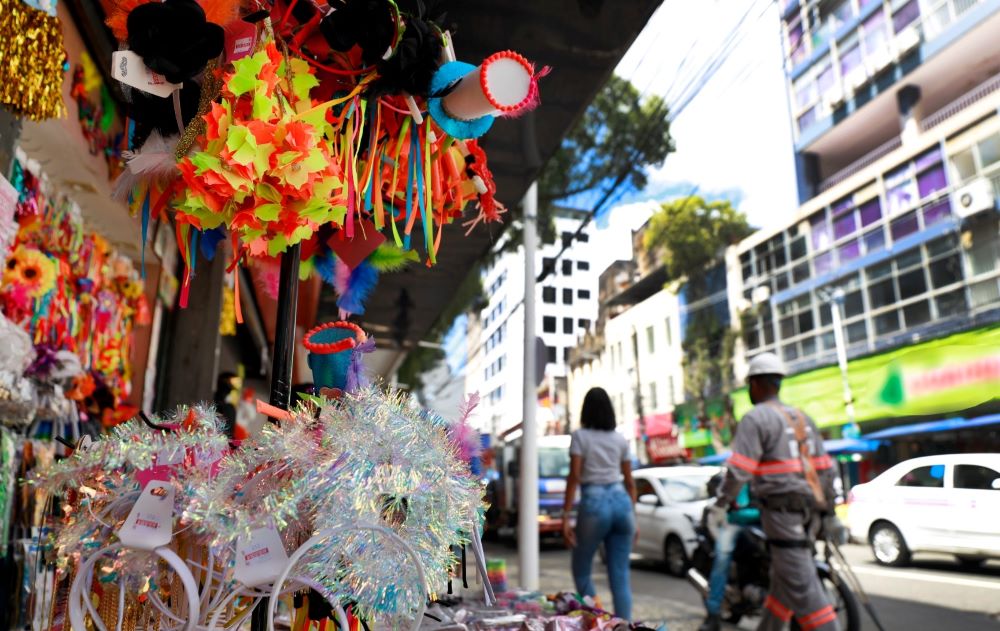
(779, 451)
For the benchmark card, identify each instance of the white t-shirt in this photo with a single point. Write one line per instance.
(603, 454)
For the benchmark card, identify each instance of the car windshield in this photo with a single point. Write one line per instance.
(553, 462)
(686, 488)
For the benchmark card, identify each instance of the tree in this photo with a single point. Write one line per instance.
(619, 137)
(689, 233)
(689, 236)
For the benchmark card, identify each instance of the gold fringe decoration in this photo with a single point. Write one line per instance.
(31, 62)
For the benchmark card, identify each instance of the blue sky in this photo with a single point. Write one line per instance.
(734, 138)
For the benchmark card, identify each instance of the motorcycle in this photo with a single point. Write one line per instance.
(749, 577)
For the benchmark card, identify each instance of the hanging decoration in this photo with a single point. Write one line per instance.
(31, 61)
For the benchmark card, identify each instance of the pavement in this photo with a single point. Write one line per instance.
(933, 594)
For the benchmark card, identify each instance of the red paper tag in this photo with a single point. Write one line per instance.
(352, 251)
(240, 40)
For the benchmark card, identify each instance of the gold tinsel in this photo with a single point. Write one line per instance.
(31, 61)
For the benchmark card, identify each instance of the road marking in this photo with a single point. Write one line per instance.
(927, 578)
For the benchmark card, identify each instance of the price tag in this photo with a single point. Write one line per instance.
(151, 523)
(170, 456)
(240, 39)
(260, 558)
(129, 68)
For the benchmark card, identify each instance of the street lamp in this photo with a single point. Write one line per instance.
(835, 299)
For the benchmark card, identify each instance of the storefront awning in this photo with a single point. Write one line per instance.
(833, 447)
(946, 425)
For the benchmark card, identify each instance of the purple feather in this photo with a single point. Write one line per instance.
(356, 377)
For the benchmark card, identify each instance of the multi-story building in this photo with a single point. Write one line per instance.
(897, 138)
(565, 306)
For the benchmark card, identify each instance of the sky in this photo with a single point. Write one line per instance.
(734, 138)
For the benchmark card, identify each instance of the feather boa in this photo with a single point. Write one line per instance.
(155, 160)
(354, 287)
(463, 436)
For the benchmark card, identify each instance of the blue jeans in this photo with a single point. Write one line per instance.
(725, 543)
(605, 516)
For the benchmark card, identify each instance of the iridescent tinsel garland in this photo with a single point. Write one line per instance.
(31, 61)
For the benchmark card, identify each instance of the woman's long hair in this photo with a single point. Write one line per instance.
(597, 411)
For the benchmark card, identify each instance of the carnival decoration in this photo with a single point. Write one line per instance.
(31, 61)
(74, 296)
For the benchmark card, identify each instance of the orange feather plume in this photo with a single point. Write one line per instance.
(220, 12)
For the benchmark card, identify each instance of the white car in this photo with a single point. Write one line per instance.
(671, 502)
(948, 504)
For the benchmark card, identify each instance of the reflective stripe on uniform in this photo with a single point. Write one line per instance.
(792, 465)
(747, 464)
(780, 611)
(818, 618)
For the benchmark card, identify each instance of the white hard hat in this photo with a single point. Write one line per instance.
(766, 364)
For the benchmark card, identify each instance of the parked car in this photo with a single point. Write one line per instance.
(671, 502)
(948, 504)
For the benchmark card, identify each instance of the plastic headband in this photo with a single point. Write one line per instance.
(334, 347)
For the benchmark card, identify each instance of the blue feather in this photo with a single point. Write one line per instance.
(325, 266)
(359, 287)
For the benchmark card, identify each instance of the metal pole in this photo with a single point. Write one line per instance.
(284, 333)
(527, 522)
(836, 304)
(639, 410)
(281, 366)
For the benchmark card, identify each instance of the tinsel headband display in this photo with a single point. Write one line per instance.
(378, 490)
(31, 61)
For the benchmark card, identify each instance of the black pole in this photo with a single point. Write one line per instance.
(281, 366)
(284, 333)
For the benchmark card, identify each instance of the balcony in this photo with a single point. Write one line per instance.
(956, 52)
(971, 97)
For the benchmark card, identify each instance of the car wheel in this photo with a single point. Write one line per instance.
(674, 556)
(970, 562)
(888, 545)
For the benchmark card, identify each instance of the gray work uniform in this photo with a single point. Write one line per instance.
(765, 453)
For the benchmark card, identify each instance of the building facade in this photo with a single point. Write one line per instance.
(897, 139)
(565, 307)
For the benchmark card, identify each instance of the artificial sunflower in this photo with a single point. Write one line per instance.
(32, 270)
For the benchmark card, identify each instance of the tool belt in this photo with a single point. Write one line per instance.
(789, 503)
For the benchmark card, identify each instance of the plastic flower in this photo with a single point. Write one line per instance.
(32, 270)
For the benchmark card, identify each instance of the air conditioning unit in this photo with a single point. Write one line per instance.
(907, 40)
(760, 294)
(974, 197)
(857, 78)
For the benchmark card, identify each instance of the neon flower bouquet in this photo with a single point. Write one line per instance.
(268, 170)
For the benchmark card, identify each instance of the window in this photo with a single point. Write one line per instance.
(583, 266)
(566, 355)
(568, 325)
(931, 181)
(875, 240)
(882, 294)
(669, 334)
(904, 226)
(653, 403)
(567, 296)
(567, 267)
(549, 295)
(912, 284)
(550, 354)
(917, 313)
(970, 476)
(549, 324)
(567, 239)
(887, 323)
(650, 340)
(583, 237)
(927, 477)
(583, 323)
(870, 212)
(823, 263)
(946, 270)
(905, 15)
(645, 487)
(670, 389)
(548, 265)
(583, 294)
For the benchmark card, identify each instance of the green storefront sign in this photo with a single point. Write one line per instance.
(942, 376)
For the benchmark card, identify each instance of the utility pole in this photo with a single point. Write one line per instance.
(640, 412)
(836, 300)
(527, 521)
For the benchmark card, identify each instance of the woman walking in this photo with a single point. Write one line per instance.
(600, 465)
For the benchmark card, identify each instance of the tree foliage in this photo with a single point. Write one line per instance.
(620, 133)
(689, 233)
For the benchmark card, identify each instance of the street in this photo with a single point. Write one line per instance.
(934, 594)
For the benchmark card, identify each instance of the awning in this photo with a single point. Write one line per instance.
(946, 425)
(833, 447)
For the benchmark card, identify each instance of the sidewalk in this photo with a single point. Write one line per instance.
(679, 606)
